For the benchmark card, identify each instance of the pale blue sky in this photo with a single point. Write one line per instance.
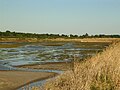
(61, 16)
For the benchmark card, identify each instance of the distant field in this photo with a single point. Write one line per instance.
(59, 39)
(17, 42)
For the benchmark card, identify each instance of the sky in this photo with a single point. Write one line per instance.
(61, 16)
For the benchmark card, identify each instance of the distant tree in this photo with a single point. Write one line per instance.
(85, 35)
(64, 36)
(7, 31)
(52, 36)
(71, 36)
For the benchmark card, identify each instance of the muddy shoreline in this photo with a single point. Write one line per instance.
(40, 79)
(62, 66)
(48, 66)
(12, 80)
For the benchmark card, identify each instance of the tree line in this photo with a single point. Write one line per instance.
(9, 34)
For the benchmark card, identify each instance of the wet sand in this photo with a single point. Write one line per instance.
(49, 66)
(11, 80)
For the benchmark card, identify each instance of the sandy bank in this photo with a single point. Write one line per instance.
(10, 80)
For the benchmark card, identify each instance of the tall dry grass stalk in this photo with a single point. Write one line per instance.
(101, 72)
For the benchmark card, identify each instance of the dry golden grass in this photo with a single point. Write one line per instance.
(101, 72)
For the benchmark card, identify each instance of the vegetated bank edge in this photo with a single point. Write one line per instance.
(101, 72)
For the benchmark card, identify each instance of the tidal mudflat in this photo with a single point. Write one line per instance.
(35, 60)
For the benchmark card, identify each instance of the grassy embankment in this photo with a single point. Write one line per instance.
(101, 72)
